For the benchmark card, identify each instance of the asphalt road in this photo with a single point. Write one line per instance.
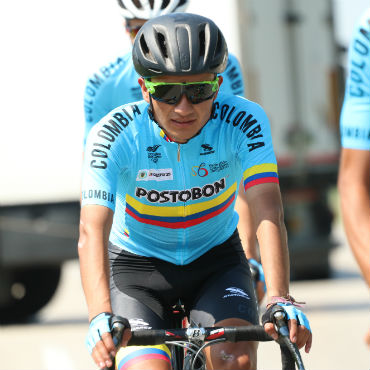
(338, 309)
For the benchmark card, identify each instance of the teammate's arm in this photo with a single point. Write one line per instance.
(354, 190)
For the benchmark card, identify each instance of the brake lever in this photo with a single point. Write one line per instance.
(118, 328)
(281, 322)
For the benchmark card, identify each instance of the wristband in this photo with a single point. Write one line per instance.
(286, 299)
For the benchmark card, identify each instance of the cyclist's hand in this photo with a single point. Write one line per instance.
(299, 327)
(99, 340)
(258, 278)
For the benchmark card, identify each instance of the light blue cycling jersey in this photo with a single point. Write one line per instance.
(176, 201)
(116, 84)
(355, 115)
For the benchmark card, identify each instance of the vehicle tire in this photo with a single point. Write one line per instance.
(27, 291)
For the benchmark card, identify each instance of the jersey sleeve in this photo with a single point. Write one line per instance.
(233, 78)
(107, 154)
(255, 150)
(355, 114)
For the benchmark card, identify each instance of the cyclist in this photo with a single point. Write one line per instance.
(116, 84)
(151, 232)
(354, 170)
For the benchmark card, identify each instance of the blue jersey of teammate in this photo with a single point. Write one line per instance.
(355, 116)
(116, 84)
(176, 201)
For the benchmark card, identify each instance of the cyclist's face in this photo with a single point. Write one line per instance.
(183, 120)
(133, 26)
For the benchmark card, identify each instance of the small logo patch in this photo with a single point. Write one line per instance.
(207, 149)
(139, 324)
(161, 174)
(235, 292)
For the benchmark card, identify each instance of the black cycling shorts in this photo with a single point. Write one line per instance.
(214, 287)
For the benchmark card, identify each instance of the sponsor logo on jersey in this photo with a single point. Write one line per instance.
(174, 196)
(217, 167)
(206, 149)
(202, 170)
(184, 214)
(152, 153)
(235, 292)
(152, 148)
(155, 174)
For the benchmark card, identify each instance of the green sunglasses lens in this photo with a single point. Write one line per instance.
(171, 93)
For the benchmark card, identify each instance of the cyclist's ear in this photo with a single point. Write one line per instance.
(144, 90)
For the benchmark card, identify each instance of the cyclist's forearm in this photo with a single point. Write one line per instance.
(94, 277)
(355, 206)
(274, 255)
(268, 216)
(93, 255)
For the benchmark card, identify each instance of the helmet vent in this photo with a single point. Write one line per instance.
(219, 43)
(202, 43)
(165, 4)
(162, 44)
(138, 4)
(144, 48)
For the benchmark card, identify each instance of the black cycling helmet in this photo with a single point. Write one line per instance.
(179, 44)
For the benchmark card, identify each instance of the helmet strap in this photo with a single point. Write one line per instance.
(151, 109)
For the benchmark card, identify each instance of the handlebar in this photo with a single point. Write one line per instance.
(230, 334)
(290, 354)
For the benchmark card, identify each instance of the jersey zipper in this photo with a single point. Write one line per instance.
(181, 251)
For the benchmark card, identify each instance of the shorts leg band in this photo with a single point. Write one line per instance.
(128, 356)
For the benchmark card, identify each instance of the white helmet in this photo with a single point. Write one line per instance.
(147, 9)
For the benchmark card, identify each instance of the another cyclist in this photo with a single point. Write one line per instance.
(116, 84)
(354, 170)
(159, 185)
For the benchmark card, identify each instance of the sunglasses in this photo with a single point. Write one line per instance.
(132, 30)
(171, 93)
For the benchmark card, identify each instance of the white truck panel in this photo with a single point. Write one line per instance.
(289, 59)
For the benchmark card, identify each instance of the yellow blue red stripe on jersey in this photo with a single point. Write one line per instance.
(260, 174)
(180, 217)
(162, 134)
(129, 356)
